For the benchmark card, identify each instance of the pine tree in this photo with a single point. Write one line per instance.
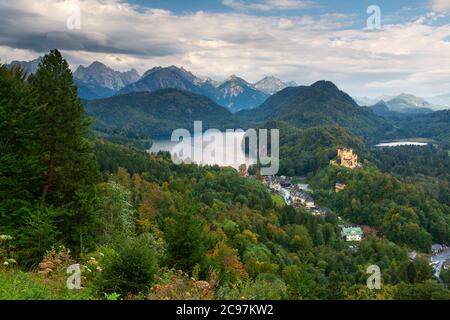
(71, 173)
(67, 154)
(20, 169)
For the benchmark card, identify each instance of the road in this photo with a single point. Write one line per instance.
(438, 260)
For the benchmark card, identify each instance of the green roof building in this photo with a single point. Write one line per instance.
(352, 233)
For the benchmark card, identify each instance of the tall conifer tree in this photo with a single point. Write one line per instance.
(71, 170)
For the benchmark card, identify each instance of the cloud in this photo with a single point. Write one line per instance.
(267, 5)
(440, 5)
(411, 56)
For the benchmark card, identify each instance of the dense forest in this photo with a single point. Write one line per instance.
(144, 228)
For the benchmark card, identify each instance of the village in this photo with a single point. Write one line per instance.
(297, 193)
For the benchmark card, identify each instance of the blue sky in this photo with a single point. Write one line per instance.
(401, 9)
(300, 40)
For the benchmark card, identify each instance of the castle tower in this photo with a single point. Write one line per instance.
(346, 158)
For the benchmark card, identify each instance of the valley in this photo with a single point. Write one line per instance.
(211, 229)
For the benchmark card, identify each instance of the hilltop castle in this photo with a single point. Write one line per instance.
(346, 158)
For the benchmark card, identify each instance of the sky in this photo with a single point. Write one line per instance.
(300, 40)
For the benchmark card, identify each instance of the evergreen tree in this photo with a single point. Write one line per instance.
(71, 172)
(20, 170)
(66, 152)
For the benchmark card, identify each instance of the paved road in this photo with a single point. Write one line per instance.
(438, 260)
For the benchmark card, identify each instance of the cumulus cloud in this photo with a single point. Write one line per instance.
(409, 56)
(440, 5)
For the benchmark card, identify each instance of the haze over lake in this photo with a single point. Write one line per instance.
(226, 153)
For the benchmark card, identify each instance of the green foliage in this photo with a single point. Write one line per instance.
(435, 125)
(321, 104)
(37, 234)
(429, 290)
(300, 282)
(20, 167)
(184, 234)
(404, 212)
(19, 285)
(223, 235)
(116, 216)
(129, 269)
(304, 151)
(62, 126)
(146, 114)
(413, 161)
(262, 289)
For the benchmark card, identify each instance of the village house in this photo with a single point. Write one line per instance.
(437, 248)
(352, 233)
(275, 186)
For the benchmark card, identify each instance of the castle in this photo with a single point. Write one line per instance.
(346, 158)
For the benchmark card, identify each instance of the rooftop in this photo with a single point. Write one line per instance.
(350, 231)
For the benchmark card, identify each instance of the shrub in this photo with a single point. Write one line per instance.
(177, 285)
(259, 289)
(129, 269)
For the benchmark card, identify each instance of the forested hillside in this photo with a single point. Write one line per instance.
(142, 227)
(158, 113)
(320, 104)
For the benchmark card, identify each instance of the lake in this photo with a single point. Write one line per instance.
(401, 143)
(210, 149)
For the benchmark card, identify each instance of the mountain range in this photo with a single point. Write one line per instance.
(98, 81)
(165, 98)
(271, 85)
(234, 93)
(159, 112)
(403, 103)
(28, 66)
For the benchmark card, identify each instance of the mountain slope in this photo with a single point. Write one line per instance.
(442, 100)
(163, 78)
(237, 94)
(408, 103)
(99, 81)
(29, 67)
(272, 85)
(234, 93)
(435, 125)
(158, 113)
(319, 104)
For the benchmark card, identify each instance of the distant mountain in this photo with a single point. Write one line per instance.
(271, 85)
(408, 103)
(443, 101)
(29, 67)
(171, 77)
(99, 81)
(319, 104)
(237, 94)
(234, 93)
(381, 109)
(366, 101)
(158, 113)
(211, 82)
